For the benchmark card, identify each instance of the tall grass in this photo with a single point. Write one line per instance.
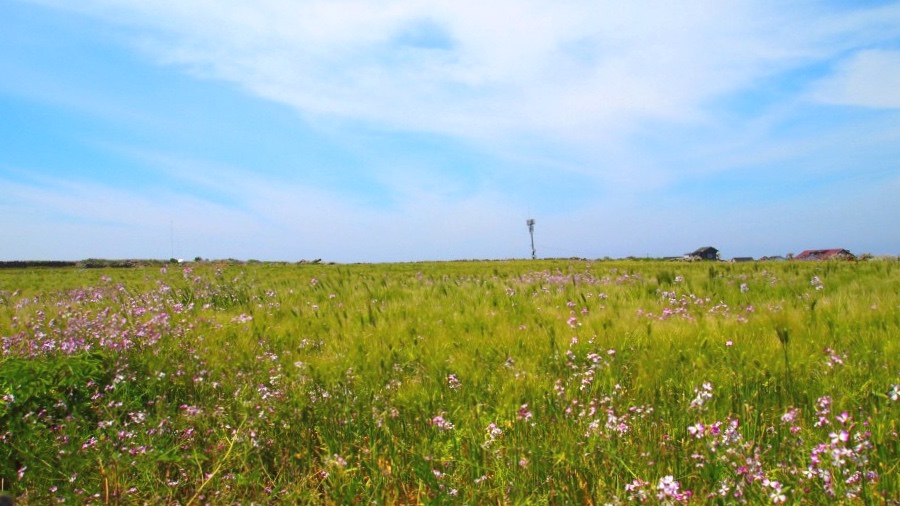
(469, 382)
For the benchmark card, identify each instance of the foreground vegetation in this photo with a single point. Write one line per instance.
(471, 383)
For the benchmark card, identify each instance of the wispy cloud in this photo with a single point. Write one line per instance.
(584, 70)
(583, 109)
(868, 78)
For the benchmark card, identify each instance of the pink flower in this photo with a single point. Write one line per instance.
(523, 413)
(439, 422)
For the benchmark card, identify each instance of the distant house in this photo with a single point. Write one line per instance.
(704, 253)
(825, 254)
(776, 258)
(742, 259)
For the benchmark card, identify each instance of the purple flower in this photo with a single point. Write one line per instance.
(453, 382)
(442, 424)
(668, 489)
(523, 413)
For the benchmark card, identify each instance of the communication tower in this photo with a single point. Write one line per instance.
(530, 223)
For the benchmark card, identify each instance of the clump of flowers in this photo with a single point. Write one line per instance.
(524, 413)
(840, 465)
(816, 283)
(453, 382)
(667, 491)
(492, 432)
(439, 422)
(703, 394)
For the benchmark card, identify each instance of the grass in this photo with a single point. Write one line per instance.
(462, 383)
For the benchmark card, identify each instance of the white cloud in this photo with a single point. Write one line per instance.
(584, 69)
(578, 75)
(618, 91)
(869, 78)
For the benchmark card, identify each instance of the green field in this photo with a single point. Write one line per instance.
(516, 382)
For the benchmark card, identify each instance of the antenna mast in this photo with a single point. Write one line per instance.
(530, 223)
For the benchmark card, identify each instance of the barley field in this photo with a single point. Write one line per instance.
(495, 382)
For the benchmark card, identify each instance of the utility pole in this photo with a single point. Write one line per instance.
(530, 223)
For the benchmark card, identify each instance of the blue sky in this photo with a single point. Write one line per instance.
(402, 130)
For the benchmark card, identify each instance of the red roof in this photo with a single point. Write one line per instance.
(823, 254)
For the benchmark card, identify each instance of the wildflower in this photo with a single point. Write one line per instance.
(817, 283)
(523, 413)
(242, 318)
(635, 490)
(559, 388)
(190, 410)
(777, 495)
(493, 431)
(823, 409)
(697, 430)
(617, 424)
(839, 437)
(833, 358)
(453, 382)
(744, 288)
(703, 394)
(790, 416)
(442, 424)
(894, 393)
(668, 488)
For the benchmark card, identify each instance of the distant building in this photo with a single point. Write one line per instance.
(742, 259)
(825, 254)
(704, 253)
(776, 258)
